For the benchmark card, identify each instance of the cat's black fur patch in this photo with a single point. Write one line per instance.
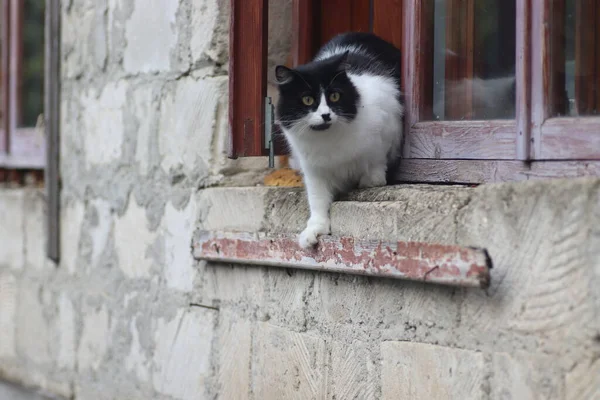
(376, 56)
(328, 75)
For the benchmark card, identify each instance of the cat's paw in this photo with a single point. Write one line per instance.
(374, 179)
(309, 237)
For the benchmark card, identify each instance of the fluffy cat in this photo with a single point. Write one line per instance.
(342, 116)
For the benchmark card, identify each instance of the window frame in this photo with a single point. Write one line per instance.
(530, 146)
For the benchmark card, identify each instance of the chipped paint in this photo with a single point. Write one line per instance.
(426, 262)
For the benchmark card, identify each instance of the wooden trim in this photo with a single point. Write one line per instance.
(460, 63)
(248, 77)
(304, 40)
(4, 83)
(523, 80)
(339, 16)
(493, 139)
(52, 126)
(571, 138)
(417, 65)
(388, 21)
(361, 14)
(485, 171)
(540, 72)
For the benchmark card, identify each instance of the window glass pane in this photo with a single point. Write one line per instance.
(474, 59)
(576, 58)
(31, 94)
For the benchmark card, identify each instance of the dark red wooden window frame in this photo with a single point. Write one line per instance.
(21, 148)
(533, 145)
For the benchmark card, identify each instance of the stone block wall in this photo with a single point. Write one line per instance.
(129, 314)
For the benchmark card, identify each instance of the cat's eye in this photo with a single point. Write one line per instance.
(308, 100)
(333, 97)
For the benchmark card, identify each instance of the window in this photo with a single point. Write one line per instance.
(30, 99)
(22, 141)
(495, 90)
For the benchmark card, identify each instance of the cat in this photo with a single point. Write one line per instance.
(342, 117)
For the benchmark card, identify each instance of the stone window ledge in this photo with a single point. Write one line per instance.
(497, 217)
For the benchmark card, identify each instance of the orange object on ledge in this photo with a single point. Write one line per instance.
(284, 176)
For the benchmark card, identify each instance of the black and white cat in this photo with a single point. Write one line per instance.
(342, 116)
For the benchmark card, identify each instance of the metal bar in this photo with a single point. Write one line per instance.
(425, 262)
(52, 125)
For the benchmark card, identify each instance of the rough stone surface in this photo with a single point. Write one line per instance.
(181, 366)
(288, 365)
(424, 371)
(134, 238)
(127, 313)
(94, 338)
(104, 124)
(11, 230)
(8, 315)
(150, 19)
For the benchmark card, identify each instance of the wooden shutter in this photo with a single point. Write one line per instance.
(247, 77)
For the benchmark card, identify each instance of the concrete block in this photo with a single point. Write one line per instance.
(182, 360)
(543, 282)
(145, 109)
(344, 300)
(179, 226)
(583, 380)
(369, 220)
(12, 229)
(35, 231)
(95, 338)
(354, 373)
(65, 328)
(235, 343)
(132, 239)
(248, 203)
(103, 123)
(102, 222)
(287, 210)
(288, 365)
(84, 40)
(234, 284)
(150, 19)
(71, 219)
(33, 330)
(205, 15)
(287, 296)
(525, 376)
(137, 360)
(422, 371)
(188, 117)
(394, 213)
(8, 314)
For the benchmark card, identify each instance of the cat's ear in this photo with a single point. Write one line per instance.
(283, 74)
(343, 61)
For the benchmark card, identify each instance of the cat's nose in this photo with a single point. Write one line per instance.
(326, 117)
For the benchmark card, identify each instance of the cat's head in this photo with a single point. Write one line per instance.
(316, 96)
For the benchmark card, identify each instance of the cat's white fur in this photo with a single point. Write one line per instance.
(348, 152)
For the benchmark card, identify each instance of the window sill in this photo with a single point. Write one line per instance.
(407, 217)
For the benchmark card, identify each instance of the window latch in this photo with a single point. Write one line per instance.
(269, 121)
